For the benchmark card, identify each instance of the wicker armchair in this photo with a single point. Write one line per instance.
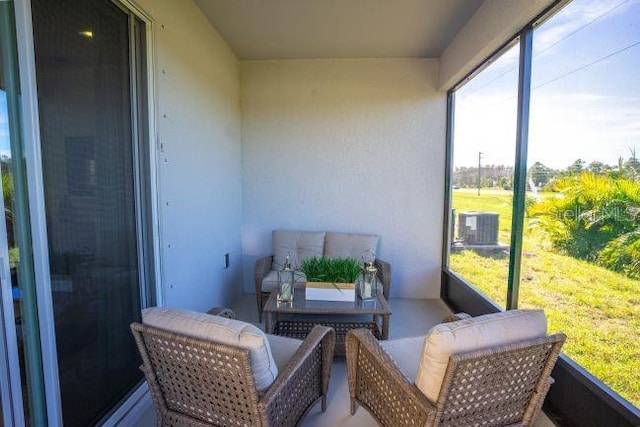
(197, 382)
(499, 386)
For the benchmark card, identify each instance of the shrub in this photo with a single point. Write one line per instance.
(595, 218)
(622, 254)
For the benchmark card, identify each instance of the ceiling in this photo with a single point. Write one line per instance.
(281, 29)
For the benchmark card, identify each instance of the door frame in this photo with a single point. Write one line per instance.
(30, 145)
(35, 186)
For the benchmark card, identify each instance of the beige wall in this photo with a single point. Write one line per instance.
(493, 24)
(200, 196)
(347, 145)
(354, 145)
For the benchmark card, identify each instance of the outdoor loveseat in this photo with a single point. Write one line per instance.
(301, 245)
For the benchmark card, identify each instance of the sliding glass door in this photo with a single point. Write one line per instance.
(88, 55)
(76, 240)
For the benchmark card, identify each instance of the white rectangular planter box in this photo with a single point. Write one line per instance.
(326, 291)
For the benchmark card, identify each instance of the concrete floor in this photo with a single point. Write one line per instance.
(410, 317)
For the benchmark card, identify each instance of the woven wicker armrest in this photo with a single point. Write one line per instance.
(376, 382)
(304, 380)
(261, 269)
(384, 275)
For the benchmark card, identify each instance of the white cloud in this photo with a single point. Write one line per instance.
(582, 125)
(591, 115)
(574, 16)
(563, 128)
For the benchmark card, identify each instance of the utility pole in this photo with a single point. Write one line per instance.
(479, 171)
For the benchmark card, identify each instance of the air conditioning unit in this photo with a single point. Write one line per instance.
(478, 228)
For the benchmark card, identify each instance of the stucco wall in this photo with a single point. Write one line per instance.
(493, 24)
(199, 163)
(354, 145)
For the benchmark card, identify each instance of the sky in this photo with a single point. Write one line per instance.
(585, 99)
(4, 124)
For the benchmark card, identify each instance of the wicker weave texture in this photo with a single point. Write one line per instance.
(495, 387)
(186, 374)
(305, 386)
(196, 382)
(300, 329)
(377, 383)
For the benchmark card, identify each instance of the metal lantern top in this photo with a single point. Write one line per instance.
(369, 260)
(287, 263)
(369, 278)
(286, 282)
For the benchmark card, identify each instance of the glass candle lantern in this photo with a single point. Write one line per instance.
(286, 280)
(369, 276)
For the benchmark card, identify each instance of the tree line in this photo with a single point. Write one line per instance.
(591, 210)
(543, 177)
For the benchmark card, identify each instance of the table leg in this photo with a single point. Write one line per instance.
(268, 322)
(385, 326)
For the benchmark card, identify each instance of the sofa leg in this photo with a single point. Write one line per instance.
(353, 406)
(259, 301)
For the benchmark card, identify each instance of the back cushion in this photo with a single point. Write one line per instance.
(342, 245)
(270, 280)
(300, 245)
(472, 334)
(221, 330)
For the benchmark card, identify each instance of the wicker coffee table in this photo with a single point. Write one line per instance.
(296, 319)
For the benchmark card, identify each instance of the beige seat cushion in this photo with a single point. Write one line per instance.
(270, 280)
(300, 245)
(283, 349)
(406, 353)
(221, 330)
(342, 245)
(472, 334)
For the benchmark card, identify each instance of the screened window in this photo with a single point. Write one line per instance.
(482, 180)
(582, 235)
(575, 250)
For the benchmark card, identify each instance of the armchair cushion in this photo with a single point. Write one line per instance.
(471, 334)
(300, 245)
(222, 330)
(283, 349)
(406, 353)
(342, 245)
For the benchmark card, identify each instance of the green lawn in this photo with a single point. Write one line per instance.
(597, 309)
